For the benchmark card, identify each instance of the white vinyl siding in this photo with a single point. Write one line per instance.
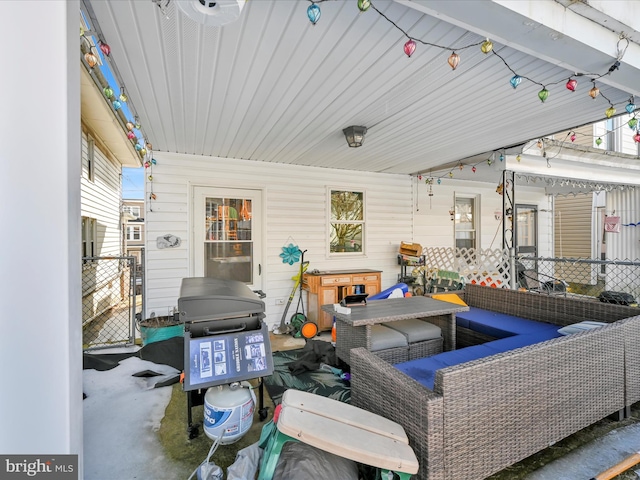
(294, 211)
(626, 244)
(573, 219)
(100, 199)
(433, 226)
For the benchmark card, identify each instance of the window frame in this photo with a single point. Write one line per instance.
(130, 210)
(475, 223)
(91, 164)
(133, 229)
(89, 227)
(330, 221)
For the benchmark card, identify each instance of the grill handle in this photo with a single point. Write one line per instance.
(240, 328)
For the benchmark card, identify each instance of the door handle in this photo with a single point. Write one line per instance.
(259, 269)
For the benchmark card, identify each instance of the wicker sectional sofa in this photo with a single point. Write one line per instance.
(486, 414)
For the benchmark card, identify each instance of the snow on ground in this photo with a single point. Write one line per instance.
(122, 414)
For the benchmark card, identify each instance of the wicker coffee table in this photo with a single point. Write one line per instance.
(356, 326)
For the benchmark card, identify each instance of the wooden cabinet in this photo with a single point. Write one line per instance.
(331, 286)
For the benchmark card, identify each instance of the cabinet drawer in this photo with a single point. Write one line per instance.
(365, 278)
(336, 280)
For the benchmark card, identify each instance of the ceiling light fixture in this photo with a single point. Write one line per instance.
(355, 135)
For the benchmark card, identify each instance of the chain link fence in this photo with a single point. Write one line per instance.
(110, 301)
(613, 281)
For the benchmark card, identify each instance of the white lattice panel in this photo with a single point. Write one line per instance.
(484, 267)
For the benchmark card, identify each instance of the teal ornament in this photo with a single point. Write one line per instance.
(630, 107)
(501, 157)
(313, 12)
(515, 81)
(138, 147)
(153, 161)
(116, 105)
(290, 254)
(439, 181)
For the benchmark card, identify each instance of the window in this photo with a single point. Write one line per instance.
(134, 232)
(133, 210)
(346, 224)
(465, 222)
(90, 158)
(89, 234)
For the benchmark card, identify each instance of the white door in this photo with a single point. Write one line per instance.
(227, 232)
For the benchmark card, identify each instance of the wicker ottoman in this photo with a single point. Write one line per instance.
(424, 338)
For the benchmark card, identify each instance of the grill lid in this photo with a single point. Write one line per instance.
(205, 298)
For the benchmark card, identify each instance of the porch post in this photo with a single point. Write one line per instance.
(40, 340)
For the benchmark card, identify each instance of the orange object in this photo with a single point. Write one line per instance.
(408, 294)
(309, 330)
(333, 332)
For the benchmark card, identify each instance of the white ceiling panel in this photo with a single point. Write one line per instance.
(273, 87)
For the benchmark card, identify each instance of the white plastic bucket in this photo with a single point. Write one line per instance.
(228, 412)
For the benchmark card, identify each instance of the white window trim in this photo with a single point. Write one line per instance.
(329, 253)
(476, 220)
(131, 232)
(89, 235)
(91, 160)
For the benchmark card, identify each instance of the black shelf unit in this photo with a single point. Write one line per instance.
(407, 262)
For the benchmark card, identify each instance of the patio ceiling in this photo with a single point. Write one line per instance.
(273, 87)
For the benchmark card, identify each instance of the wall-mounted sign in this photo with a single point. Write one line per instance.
(168, 241)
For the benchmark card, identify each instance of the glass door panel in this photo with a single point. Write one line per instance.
(225, 234)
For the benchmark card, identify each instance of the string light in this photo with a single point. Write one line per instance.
(409, 48)
(363, 5)
(486, 46)
(454, 60)
(91, 59)
(105, 48)
(94, 46)
(609, 112)
(313, 12)
(630, 106)
(543, 94)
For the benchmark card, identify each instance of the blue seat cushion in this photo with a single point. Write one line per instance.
(499, 325)
(423, 370)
